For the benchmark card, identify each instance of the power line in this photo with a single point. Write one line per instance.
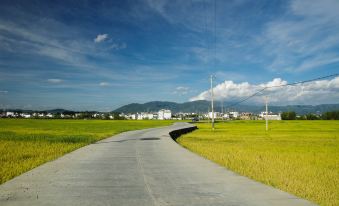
(306, 81)
(247, 98)
(282, 85)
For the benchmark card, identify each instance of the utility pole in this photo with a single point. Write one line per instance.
(266, 101)
(212, 102)
(222, 108)
(208, 114)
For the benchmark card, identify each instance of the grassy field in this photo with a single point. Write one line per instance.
(27, 143)
(300, 157)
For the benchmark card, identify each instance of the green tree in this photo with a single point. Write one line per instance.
(117, 116)
(311, 117)
(288, 115)
(333, 115)
(57, 115)
(106, 116)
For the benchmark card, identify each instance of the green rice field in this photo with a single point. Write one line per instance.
(27, 143)
(300, 157)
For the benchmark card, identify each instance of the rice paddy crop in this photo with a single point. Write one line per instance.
(27, 143)
(300, 157)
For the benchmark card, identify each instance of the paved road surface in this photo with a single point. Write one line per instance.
(144, 167)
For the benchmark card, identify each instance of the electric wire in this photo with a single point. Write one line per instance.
(282, 85)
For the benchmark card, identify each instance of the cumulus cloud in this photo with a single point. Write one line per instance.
(317, 92)
(100, 38)
(54, 81)
(104, 84)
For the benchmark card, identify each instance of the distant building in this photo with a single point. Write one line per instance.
(141, 116)
(24, 115)
(270, 116)
(134, 116)
(144, 115)
(49, 115)
(233, 114)
(96, 115)
(215, 114)
(10, 114)
(149, 116)
(225, 116)
(164, 114)
(246, 116)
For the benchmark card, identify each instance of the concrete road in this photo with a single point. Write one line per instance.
(144, 167)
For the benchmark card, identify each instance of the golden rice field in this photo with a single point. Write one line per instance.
(300, 157)
(27, 143)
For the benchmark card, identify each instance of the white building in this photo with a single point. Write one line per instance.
(210, 115)
(234, 114)
(226, 116)
(134, 116)
(145, 115)
(149, 116)
(49, 115)
(24, 115)
(270, 116)
(9, 114)
(164, 114)
(141, 116)
(96, 115)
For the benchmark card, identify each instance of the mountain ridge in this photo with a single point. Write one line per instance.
(203, 105)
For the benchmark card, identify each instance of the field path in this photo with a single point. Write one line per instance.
(144, 167)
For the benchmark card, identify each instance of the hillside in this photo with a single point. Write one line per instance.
(202, 106)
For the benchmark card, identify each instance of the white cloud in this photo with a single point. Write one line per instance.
(118, 46)
(104, 84)
(113, 45)
(54, 81)
(306, 39)
(237, 76)
(317, 92)
(181, 90)
(323, 9)
(43, 38)
(100, 38)
(192, 15)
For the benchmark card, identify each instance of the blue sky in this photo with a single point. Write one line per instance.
(99, 55)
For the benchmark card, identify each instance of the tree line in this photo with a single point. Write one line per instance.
(332, 115)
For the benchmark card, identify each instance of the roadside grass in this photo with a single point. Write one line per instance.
(28, 143)
(300, 157)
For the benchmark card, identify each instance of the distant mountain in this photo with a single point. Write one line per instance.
(196, 106)
(203, 106)
(54, 111)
